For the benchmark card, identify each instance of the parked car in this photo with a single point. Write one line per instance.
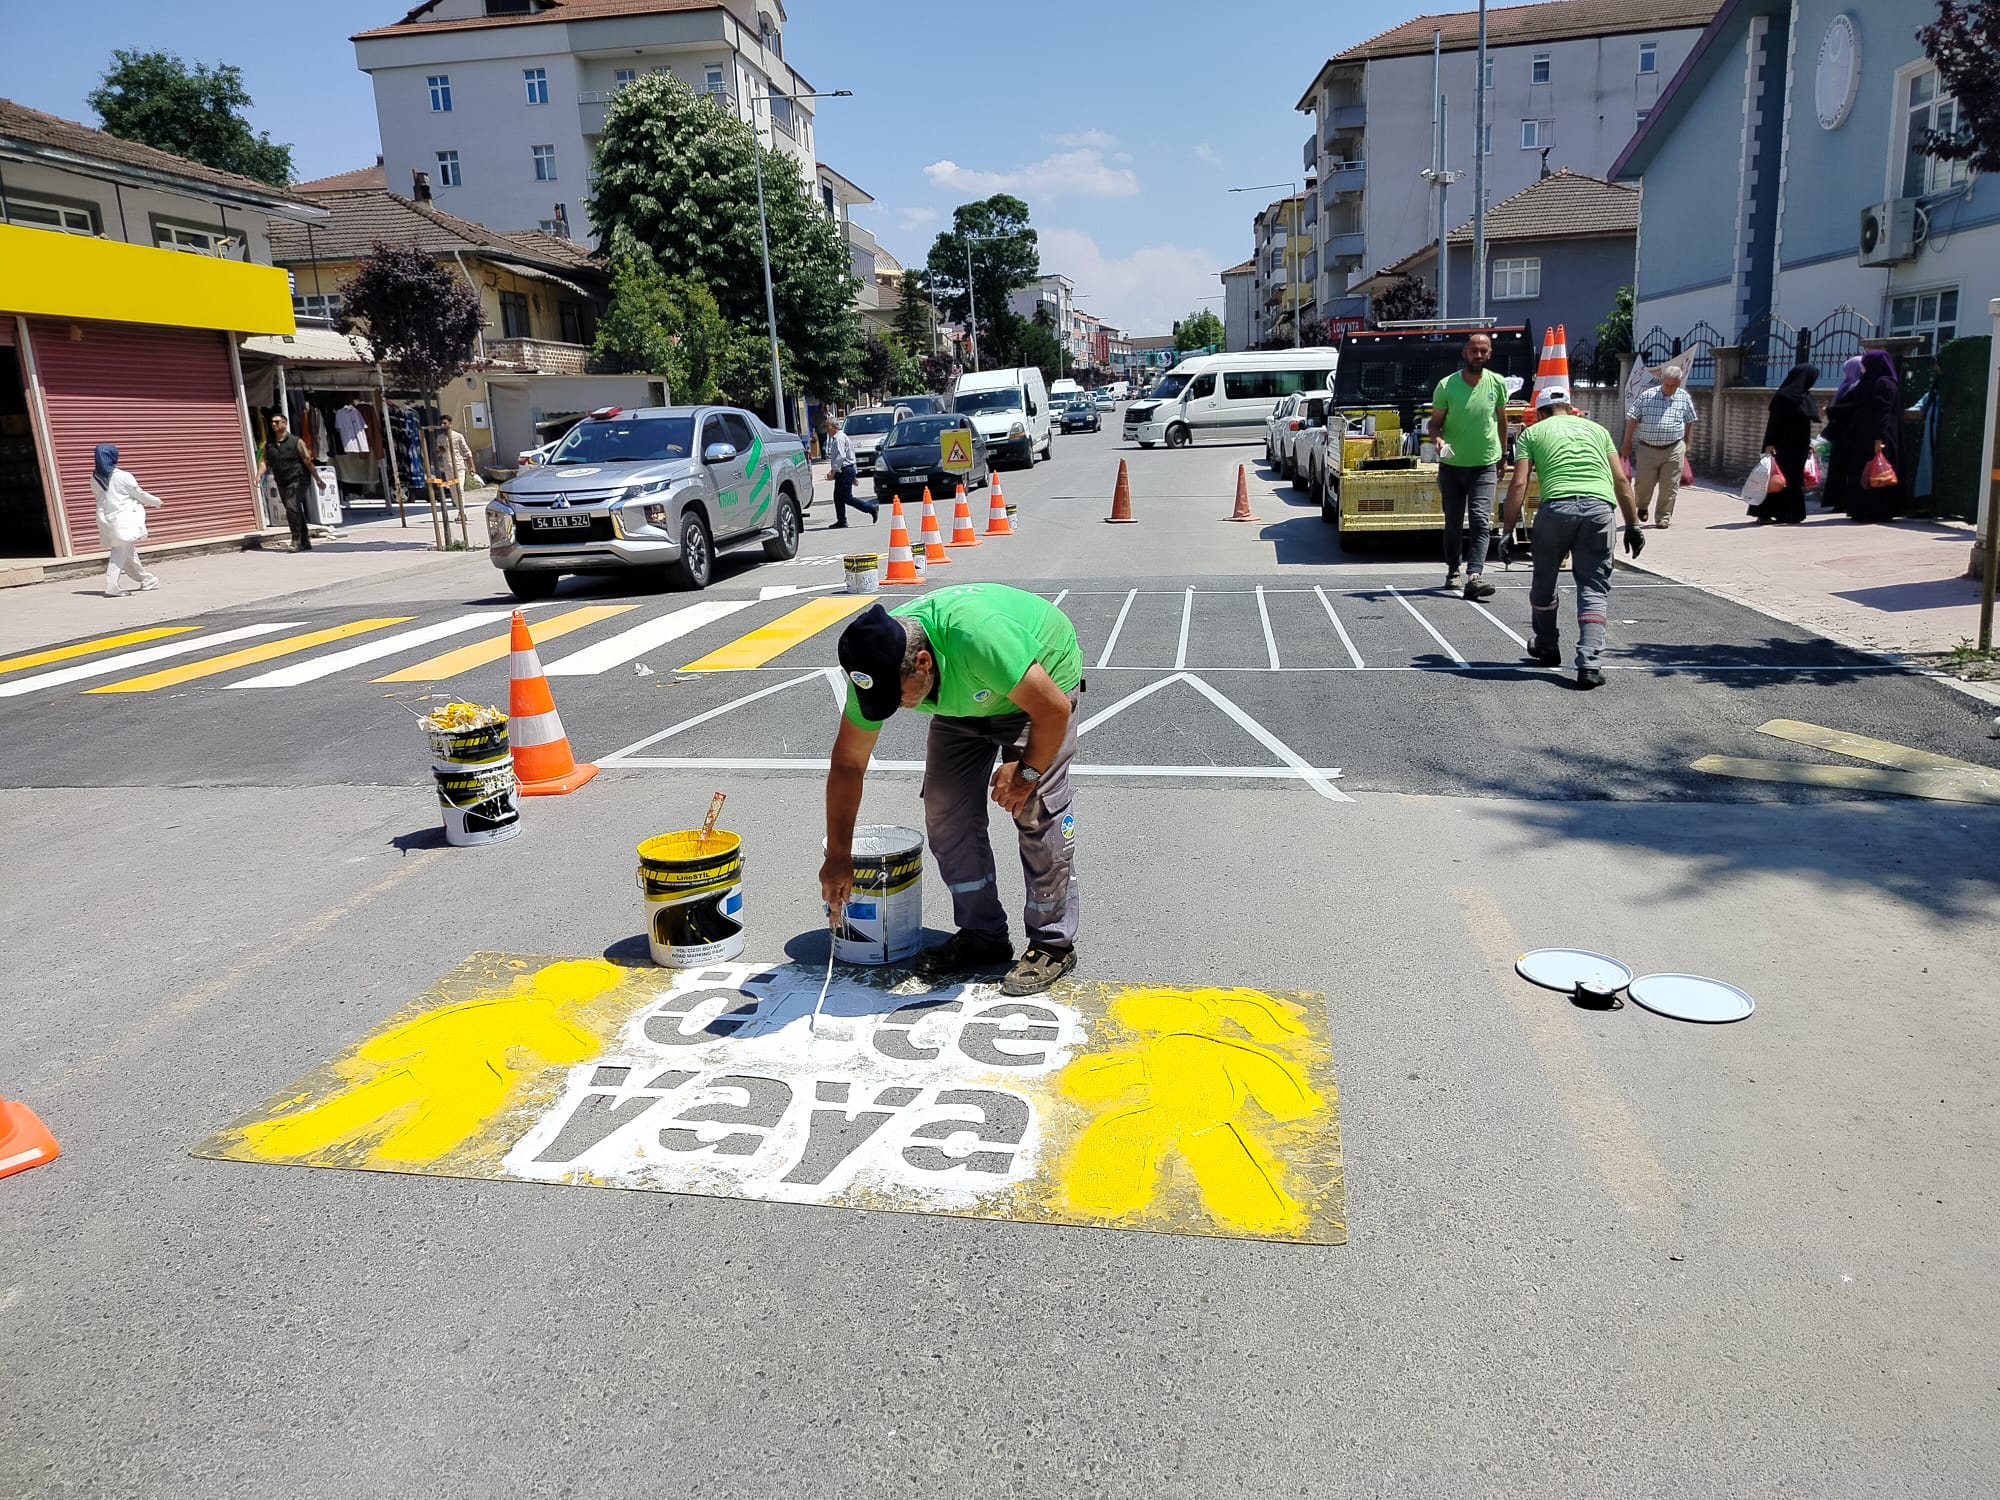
(867, 427)
(921, 406)
(661, 487)
(1101, 398)
(1079, 414)
(1292, 416)
(1010, 408)
(912, 459)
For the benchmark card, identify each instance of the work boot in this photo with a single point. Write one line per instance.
(1039, 968)
(963, 951)
(1552, 657)
(1588, 678)
(1453, 578)
(1477, 588)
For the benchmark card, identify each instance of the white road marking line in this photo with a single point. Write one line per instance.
(315, 667)
(1450, 649)
(1112, 644)
(1518, 640)
(643, 637)
(1270, 641)
(105, 666)
(1060, 597)
(830, 675)
(819, 765)
(786, 590)
(1345, 640)
(1313, 778)
(1187, 619)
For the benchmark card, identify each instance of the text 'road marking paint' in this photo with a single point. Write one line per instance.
(466, 658)
(354, 656)
(781, 635)
(91, 648)
(1174, 1109)
(248, 657)
(635, 641)
(109, 665)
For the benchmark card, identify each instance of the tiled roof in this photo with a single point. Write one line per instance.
(1565, 205)
(360, 177)
(1548, 21)
(552, 248)
(361, 216)
(32, 127)
(549, 10)
(1246, 268)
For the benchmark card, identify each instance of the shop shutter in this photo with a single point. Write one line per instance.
(167, 398)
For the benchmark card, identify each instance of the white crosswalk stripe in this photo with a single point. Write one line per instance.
(316, 667)
(646, 636)
(107, 665)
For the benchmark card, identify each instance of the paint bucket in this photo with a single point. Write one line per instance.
(863, 571)
(478, 803)
(883, 922)
(453, 748)
(694, 897)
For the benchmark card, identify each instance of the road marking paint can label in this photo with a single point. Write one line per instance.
(883, 920)
(694, 897)
(479, 803)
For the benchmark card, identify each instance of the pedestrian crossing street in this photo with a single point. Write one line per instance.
(1305, 628)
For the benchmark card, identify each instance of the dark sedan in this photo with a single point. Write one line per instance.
(912, 457)
(1081, 415)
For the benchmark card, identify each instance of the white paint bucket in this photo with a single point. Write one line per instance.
(864, 572)
(694, 897)
(883, 921)
(478, 803)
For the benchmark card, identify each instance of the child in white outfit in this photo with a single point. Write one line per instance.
(121, 520)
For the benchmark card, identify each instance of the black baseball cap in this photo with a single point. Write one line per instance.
(871, 654)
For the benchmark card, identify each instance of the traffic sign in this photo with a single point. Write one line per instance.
(955, 449)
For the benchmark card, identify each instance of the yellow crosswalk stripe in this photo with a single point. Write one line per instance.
(91, 648)
(778, 637)
(1935, 786)
(465, 658)
(215, 666)
(1861, 747)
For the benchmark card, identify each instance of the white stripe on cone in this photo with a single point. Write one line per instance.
(534, 730)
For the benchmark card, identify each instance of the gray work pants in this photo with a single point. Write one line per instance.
(958, 771)
(1467, 497)
(1586, 529)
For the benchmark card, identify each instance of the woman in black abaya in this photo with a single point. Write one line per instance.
(1870, 413)
(1788, 443)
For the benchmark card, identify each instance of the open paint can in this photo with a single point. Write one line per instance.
(883, 921)
(694, 897)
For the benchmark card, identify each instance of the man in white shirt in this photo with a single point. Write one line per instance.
(1658, 419)
(841, 460)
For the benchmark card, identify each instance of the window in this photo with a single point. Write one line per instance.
(327, 307)
(1535, 134)
(1640, 117)
(572, 322)
(781, 113)
(1486, 141)
(1649, 57)
(440, 86)
(448, 170)
(1200, 386)
(506, 7)
(545, 163)
(712, 81)
(1517, 280)
(1271, 385)
(726, 428)
(1489, 70)
(70, 219)
(1929, 109)
(625, 76)
(1931, 315)
(537, 80)
(187, 237)
(513, 316)
(1541, 68)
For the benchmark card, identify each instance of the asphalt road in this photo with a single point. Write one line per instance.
(1590, 1253)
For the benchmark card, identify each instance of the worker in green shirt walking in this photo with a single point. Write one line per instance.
(1000, 674)
(1469, 423)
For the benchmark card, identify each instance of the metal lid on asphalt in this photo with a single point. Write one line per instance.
(1566, 968)
(1689, 997)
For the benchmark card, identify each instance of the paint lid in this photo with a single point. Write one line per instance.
(1572, 969)
(1689, 997)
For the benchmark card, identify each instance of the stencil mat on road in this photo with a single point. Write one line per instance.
(1177, 1109)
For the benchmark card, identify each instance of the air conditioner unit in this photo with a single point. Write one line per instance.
(1889, 232)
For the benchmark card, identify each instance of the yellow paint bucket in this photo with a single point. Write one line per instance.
(694, 897)
(864, 571)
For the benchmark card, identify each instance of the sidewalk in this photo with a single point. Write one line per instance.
(66, 609)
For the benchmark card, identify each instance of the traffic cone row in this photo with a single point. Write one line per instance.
(1242, 512)
(902, 571)
(997, 523)
(1553, 370)
(962, 534)
(932, 540)
(543, 764)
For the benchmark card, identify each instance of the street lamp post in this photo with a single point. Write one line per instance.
(1291, 229)
(764, 243)
(971, 311)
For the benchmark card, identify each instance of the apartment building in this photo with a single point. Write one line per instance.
(1058, 294)
(1286, 267)
(839, 197)
(501, 102)
(1568, 82)
(1238, 305)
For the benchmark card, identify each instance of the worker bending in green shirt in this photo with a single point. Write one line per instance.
(1000, 674)
(1469, 422)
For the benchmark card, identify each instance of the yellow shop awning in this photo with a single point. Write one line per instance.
(48, 274)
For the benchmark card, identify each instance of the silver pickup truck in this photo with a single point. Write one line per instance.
(659, 487)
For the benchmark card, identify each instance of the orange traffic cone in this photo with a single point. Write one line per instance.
(1553, 370)
(997, 523)
(932, 539)
(1121, 500)
(1242, 498)
(543, 764)
(962, 534)
(902, 572)
(24, 1140)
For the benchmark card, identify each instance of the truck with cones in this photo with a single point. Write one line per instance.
(1373, 467)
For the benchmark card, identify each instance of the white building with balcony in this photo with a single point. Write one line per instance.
(501, 102)
(838, 197)
(1568, 83)
(1058, 294)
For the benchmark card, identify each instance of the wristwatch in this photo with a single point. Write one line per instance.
(1027, 773)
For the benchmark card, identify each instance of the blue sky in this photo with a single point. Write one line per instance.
(1122, 125)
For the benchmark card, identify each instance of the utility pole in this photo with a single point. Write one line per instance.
(1436, 175)
(1479, 180)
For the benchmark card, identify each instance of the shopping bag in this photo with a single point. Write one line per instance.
(128, 527)
(1759, 483)
(1880, 474)
(1814, 476)
(1687, 472)
(1778, 481)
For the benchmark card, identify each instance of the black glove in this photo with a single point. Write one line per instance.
(1511, 549)
(1635, 540)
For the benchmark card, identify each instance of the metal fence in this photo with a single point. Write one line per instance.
(1772, 346)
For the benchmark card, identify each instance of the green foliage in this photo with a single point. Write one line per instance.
(1614, 334)
(1200, 329)
(913, 314)
(1406, 300)
(157, 100)
(676, 173)
(1964, 42)
(1004, 256)
(877, 365)
(1034, 343)
(670, 325)
(940, 373)
(414, 316)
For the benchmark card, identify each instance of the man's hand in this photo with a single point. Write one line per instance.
(1511, 551)
(1635, 540)
(836, 882)
(1009, 790)
(1444, 450)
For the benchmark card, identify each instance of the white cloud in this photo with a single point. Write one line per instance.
(1081, 173)
(1140, 293)
(1092, 139)
(1208, 153)
(909, 220)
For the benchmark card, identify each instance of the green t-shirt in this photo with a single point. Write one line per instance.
(985, 636)
(1471, 425)
(1572, 457)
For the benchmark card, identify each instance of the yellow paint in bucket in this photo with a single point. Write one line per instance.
(694, 897)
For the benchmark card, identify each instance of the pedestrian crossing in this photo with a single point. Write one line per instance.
(1283, 629)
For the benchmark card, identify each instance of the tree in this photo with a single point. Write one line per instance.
(157, 100)
(940, 372)
(413, 315)
(913, 313)
(877, 365)
(1004, 256)
(1034, 343)
(1614, 334)
(1407, 299)
(1964, 42)
(1200, 329)
(657, 324)
(676, 172)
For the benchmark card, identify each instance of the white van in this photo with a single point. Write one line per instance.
(1063, 390)
(1010, 408)
(1225, 395)
(1121, 390)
